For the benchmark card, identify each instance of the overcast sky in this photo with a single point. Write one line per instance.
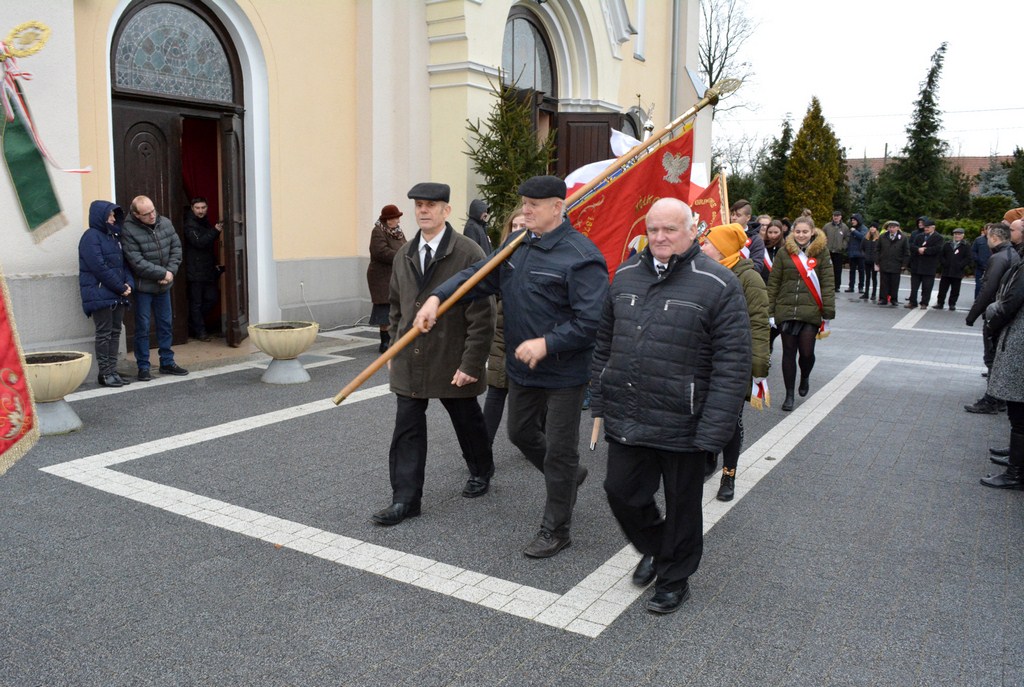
(865, 61)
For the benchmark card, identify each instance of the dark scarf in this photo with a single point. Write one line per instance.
(395, 233)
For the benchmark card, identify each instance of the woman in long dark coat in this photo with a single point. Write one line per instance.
(385, 240)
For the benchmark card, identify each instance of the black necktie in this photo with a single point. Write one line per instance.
(426, 258)
(661, 269)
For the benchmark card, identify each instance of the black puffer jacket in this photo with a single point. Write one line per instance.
(201, 256)
(1002, 259)
(673, 358)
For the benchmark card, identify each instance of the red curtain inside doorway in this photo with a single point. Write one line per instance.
(200, 167)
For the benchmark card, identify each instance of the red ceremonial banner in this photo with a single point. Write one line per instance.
(709, 207)
(18, 427)
(613, 217)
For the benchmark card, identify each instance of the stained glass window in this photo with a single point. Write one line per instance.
(169, 50)
(524, 57)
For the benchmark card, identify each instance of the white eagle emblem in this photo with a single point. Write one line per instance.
(675, 166)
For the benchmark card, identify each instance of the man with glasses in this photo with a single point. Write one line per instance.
(153, 250)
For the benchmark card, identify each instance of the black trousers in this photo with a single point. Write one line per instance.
(925, 282)
(202, 295)
(677, 540)
(494, 408)
(837, 268)
(857, 273)
(108, 336)
(408, 456)
(888, 287)
(952, 285)
(545, 425)
(870, 276)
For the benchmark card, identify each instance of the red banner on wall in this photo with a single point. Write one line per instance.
(18, 427)
(613, 217)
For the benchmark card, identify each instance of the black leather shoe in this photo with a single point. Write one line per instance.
(644, 573)
(396, 513)
(668, 602)
(953, 308)
(546, 545)
(1011, 479)
(1000, 460)
(938, 306)
(476, 486)
(124, 381)
(144, 375)
(109, 380)
(1003, 452)
(727, 489)
(982, 407)
(788, 403)
(173, 369)
(805, 386)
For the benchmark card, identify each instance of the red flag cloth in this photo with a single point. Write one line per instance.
(18, 427)
(613, 217)
(708, 207)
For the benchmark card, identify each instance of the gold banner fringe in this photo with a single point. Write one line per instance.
(49, 227)
(23, 445)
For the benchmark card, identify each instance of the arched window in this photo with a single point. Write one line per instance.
(526, 56)
(166, 49)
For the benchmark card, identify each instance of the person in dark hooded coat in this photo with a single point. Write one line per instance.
(855, 252)
(476, 225)
(105, 283)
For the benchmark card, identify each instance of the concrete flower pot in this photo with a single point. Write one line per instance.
(52, 375)
(284, 342)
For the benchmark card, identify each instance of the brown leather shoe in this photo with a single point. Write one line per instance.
(546, 545)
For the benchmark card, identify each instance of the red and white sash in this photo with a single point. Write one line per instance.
(767, 261)
(745, 251)
(805, 266)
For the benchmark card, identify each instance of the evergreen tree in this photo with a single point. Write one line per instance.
(507, 151)
(842, 199)
(812, 171)
(918, 181)
(958, 201)
(772, 199)
(862, 186)
(994, 180)
(1015, 173)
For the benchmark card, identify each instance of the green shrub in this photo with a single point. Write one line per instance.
(991, 208)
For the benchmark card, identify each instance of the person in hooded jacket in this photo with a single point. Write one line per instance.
(801, 301)
(723, 244)
(476, 225)
(855, 252)
(201, 265)
(869, 247)
(105, 283)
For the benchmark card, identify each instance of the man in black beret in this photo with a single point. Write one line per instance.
(447, 365)
(553, 288)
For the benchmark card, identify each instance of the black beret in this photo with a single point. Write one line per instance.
(543, 187)
(429, 190)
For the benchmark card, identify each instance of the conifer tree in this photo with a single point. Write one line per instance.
(506, 151)
(812, 171)
(918, 181)
(994, 180)
(1015, 173)
(772, 199)
(862, 186)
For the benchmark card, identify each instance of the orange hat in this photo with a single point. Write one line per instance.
(1013, 215)
(728, 239)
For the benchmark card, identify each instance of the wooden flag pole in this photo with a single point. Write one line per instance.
(711, 96)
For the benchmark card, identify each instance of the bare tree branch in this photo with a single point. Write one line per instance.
(723, 31)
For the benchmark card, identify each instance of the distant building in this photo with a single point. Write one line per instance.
(970, 165)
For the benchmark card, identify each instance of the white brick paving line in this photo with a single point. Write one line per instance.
(589, 608)
(908, 321)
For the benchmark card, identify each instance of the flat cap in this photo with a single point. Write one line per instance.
(429, 190)
(1013, 215)
(927, 221)
(545, 186)
(958, 230)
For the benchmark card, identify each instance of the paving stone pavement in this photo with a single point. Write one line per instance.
(213, 530)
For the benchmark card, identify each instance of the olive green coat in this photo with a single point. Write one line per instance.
(757, 310)
(789, 298)
(460, 339)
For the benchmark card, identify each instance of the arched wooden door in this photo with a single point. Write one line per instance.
(177, 94)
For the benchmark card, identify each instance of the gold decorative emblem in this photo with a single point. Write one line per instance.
(11, 408)
(26, 39)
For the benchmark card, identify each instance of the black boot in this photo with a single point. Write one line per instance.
(805, 386)
(1013, 478)
(788, 403)
(864, 295)
(728, 487)
(874, 293)
(385, 341)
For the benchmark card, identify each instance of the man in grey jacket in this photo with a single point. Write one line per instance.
(153, 250)
(838, 235)
(669, 377)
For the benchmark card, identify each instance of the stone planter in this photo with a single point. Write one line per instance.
(52, 375)
(284, 342)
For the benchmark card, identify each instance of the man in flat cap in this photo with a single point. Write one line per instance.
(925, 254)
(447, 365)
(553, 288)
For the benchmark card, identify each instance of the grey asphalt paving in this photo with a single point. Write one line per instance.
(869, 555)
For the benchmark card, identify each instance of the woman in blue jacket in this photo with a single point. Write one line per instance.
(106, 283)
